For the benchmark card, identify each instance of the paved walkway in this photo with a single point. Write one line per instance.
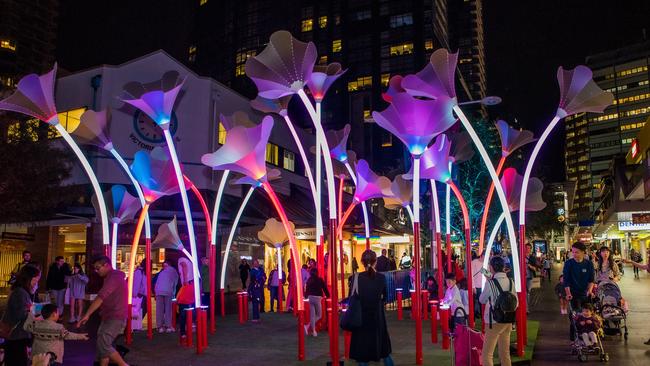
(552, 346)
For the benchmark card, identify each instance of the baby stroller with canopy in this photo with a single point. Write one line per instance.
(610, 306)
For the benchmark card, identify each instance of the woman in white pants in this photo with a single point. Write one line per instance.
(314, 291)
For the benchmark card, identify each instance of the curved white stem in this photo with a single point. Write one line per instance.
(186, 210)
(217, 205)
(93, 180)
(138, 189)
(488, 248)
(410, 213)
(310, 177)
(279, 264)
(436, 208)
(114, 245)
(529, 168)
(366, 221)
(320, 134)
(231, 236)
(500, 193)
(448, 208)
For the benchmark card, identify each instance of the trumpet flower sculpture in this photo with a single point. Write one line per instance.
(168, 238)
(34, 96)
(275, 235)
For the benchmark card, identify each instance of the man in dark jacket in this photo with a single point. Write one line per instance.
(383, 264)
(578, 279)
(56, 282)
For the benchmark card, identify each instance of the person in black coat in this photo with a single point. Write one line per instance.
(371, 341)
(383, 263)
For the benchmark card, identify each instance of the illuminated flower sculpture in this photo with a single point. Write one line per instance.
(168, 238)
(34, 96)
(244, 151)
(394, 88)
(436, 80)
(511, 140)
(274, 235)
(401, 195)
(322, 78)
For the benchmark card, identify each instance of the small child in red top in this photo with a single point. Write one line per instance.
(588, 324)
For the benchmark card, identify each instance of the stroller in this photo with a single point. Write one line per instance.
(467, 343)
(610, 307)
(580, 348)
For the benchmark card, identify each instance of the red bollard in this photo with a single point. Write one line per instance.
(205, 326)
(347, 337)
(400, 315)
(321, 324)
(188, 326)
(434, 321)
(240, 307)
(414, 304)
(199, 335)
(425, 304)
(328, 311)
(444, 325)
(245, 305)
(174, 312)
(223, 303)
(301, 336)
(127, 330)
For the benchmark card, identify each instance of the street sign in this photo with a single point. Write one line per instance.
(641, 218)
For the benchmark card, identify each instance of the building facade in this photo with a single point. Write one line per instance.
(593, 140)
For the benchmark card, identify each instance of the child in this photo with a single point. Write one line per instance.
(48, 334)
(588, 325)
(77, 285)
(452, 299)
(561, 294)
(432, 287)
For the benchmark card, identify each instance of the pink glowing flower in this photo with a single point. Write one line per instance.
(122, 206)
(158, 103)
(244, 151)
(579, 93)
(278, 106)
(401, 193)
(434, 163)
(155, 174)
(94, 129)
(394, 87)
(274, 233)
(512, 139)
(283, 68)
(34, 96)
(414, 121)
(322, 78)
(511, 182)
(337, 141)
(436, 79)
(369, 184)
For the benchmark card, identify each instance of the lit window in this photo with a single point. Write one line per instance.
(272, 153)
(362, 82)
(202, 2)
(8, 44)
(192, 54)
(69, 120)
(397, 21)
(322, 60)
(242, 56)
(367, 114)
(401, 49)
(336, 45)
(307, 25)
(221, 137)
(7, 81)
(23, 131)
(289, 161)
(386, 140)
(428, 45)
(322, 21)
(385, 78)
(240, 70)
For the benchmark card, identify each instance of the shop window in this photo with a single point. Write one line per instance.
(272, 153)
(289, 161)
(307, 25)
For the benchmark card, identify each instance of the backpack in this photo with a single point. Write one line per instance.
(504, 308)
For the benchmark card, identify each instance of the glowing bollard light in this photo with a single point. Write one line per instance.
(444, 324)
(434, 321)
(400, 314)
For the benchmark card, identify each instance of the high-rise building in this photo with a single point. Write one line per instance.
(593, 140)
(372, 39)
(27, 38)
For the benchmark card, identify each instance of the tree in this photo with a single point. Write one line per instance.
(543, 223)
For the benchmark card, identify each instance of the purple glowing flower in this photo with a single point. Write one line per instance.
(369, 184)
(579, 93)
(122, 206)
(434, 163)
(394, 87)
(283, 68)
(34, 96)
(274, 233)
(322, 78)
(401, 193)
(461, 147)
(243, 151)
(158, 104)
(94, 129)
(436, 79)
(512, 139)
(156, 176)
(340, 169)
(278, 106)
(511, 183)
(414, 121)
(337, 141)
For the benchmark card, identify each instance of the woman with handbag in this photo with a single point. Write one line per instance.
(18, 340)
(370, 341)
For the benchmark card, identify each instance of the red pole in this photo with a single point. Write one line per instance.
(301, 335)
(521, 311)
(245, 304)
(486, 210)
(418, 318)
(148, 270)
(400, 314)
(434, 321)
(199, 331)
(441, 277)
(240, 307)
(347, 336)
(444, 325)
(425, 303)
(107, 250)
(280, 293)
(367, 243)
(223, 302)
(448, 237)
(188, 326)
(341, 256)
(334, 326)
(468, 251)
(128, 330)
(320, 256)
(213, 289)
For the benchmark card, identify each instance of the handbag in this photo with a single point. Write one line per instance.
(352, 318)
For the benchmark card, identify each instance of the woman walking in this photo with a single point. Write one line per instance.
(18, 307)
(314, 291)
(371, 341)
(77, 285)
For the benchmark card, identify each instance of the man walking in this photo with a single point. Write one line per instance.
(383, 263)
(165, 291)
(112, 304)
(55, 283)
(578, 279)
(257, 273)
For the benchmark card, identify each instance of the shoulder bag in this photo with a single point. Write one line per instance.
(352, 318)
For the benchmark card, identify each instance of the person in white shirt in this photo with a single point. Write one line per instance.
(452, 299)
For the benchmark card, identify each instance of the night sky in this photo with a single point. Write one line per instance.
(525, 43)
